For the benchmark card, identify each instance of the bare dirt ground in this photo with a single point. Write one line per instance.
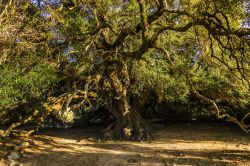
(176, 144)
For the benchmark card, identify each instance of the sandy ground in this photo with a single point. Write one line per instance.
(176, 144)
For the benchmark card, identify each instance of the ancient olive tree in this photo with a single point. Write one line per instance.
(108, 51)
(113, 36)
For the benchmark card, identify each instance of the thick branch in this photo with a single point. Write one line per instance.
(144, 21)
(217, 112)
(23, 121)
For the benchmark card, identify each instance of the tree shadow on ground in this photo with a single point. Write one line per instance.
(186, 132)
(113, 154)
(176, 144)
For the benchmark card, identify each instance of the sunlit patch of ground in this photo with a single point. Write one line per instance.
(175, 144)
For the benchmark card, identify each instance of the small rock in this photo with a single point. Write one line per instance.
(182, 155)
(24, 145)
(13, 155)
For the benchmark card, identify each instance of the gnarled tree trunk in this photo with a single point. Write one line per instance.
(129, 124)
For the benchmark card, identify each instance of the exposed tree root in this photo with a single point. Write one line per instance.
(138, 131)
(129, 126)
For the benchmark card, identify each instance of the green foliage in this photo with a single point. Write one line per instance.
(220, 86)
(159, 77)
(18, 87)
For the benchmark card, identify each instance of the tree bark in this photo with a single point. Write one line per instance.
(129, 124)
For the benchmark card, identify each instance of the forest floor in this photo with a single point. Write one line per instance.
(176, 144)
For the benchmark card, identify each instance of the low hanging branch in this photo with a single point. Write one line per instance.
(53, 104)
(23, 121)
(65, 100)
(217, 112)
(56, 104)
